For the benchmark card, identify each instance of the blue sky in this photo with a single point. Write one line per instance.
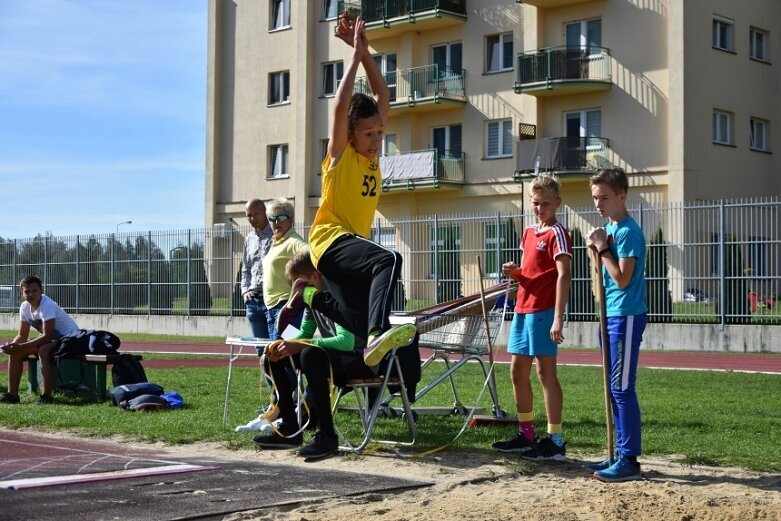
(102, 115)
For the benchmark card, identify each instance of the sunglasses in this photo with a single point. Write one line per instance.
(278, 218)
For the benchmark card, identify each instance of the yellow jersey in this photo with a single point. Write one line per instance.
(351, 192)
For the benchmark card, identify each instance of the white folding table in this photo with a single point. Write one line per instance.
(241, 342)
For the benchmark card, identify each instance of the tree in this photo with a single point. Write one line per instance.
(200, 292)
(660, 301)
(736, 307)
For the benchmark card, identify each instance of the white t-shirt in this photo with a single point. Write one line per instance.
(48, 309)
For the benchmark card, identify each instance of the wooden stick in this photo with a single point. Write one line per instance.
(598, 288)
(492, 382)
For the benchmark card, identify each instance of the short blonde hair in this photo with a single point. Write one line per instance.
(281, 206)
(546, 183)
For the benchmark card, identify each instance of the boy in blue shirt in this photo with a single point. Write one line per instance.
(621, 246)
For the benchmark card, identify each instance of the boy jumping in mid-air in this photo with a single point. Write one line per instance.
(360, 274)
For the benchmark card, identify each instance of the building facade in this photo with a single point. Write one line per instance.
(683, 95)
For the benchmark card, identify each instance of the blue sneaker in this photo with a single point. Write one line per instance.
(621, 470)
(600, 465)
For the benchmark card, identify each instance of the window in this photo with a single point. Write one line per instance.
(448, 59)
(501, 245)
(722, 127)
(499, 52)
(499, 138)
(584, 34)
(277, 161)
(278, 87)
(330, 9)
(758, 44)
(759, 128)
(280, 14)
(447, 140)
(332, 75)
(389, 147)
(584, 124)
(387, 65)
(723, 34)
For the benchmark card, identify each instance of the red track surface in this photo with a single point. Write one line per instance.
(768, 363)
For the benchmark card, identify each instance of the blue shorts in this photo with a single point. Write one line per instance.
(530, 334)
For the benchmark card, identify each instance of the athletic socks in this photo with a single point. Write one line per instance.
(526, 425)
(555, 434)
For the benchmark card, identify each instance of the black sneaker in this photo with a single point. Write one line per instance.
(321, 446)
(44, 399)
(9, 398)
(546, 450)
(277, 441)
(518, 444)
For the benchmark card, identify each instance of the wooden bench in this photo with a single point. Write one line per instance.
(91, 370)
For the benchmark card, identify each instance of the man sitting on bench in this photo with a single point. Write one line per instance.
(52, 322)
(338, 352)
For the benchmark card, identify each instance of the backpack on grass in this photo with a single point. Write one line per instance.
(127, 370)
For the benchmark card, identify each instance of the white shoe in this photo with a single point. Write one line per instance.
(257, 424)
(267, 427)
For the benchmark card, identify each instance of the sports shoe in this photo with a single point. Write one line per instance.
(294, 306)
(44, 399)
(254, 425)
(393, 338)
(622, 470)
(277, 441)
(321, 446)
(9, 398)
(518, 444)
(600, 465)
(546, 450)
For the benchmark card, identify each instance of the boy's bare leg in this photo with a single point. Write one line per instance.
(16, 366)
(48, 369)
(520, 369)
(551, 388)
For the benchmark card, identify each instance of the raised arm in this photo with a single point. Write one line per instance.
(354, 35)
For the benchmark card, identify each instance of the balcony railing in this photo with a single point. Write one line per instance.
(420, 169)
(561, 155)
(558, 68)
(550, 3)
(420, 85)
(382, 14)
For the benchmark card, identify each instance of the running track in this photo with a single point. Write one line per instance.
(752, 362)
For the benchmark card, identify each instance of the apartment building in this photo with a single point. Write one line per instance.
(683, 95)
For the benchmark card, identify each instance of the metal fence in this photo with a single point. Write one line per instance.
(716, 262)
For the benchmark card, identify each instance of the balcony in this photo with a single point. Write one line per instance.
(422, 169)
(563, 70)
(567, 157)
(430, 87)
(544, 4)
(386, 18)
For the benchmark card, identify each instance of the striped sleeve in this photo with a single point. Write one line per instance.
(562, 243)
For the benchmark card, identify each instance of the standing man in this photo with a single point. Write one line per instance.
(256, 246)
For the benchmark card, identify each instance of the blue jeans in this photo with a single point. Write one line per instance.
(257, 317)
(271, 317)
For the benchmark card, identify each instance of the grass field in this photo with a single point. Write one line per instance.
(713, 418)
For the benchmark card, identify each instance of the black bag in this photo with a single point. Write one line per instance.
(87, 342)
(125, 392)
(127, 370)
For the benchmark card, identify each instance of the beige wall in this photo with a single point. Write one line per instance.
(734, 83)
(666, 81)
